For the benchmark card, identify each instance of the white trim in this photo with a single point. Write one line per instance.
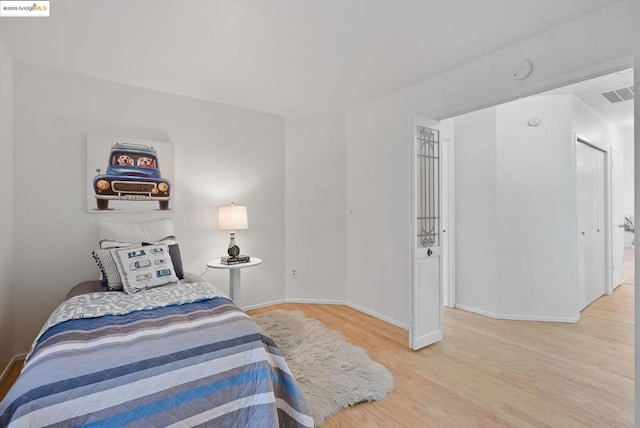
(377, 315)
(451, 223)
(574, 208)
(263, 305)
(330, 302)
(412, 229)
(317, 301)
(515, 317)
(476, 311)
(303, 301)
(538, 318)
(608, 225)
(11, 363)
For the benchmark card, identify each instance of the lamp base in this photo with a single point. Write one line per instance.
(233, 249)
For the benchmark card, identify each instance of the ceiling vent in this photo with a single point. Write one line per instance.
(619, 95)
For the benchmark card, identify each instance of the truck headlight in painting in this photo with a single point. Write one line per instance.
(163, 187)
(102, 185)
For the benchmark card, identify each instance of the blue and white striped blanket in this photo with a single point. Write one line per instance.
(169, 361)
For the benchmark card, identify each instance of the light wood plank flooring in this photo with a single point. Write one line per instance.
(628, 265)
(498, 373)
(495, 373)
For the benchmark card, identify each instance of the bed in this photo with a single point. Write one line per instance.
(176, 355)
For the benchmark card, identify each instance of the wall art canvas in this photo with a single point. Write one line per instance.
(129, 175)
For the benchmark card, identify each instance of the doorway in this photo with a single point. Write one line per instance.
(509, 217)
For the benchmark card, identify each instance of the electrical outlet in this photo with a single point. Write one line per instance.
(294, 273)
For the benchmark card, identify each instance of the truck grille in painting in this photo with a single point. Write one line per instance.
(123, 186)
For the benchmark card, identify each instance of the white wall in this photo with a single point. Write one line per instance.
(378, 138)
(222, 154)
(516, 216)
(476, 205)
(537, 260)
(6, 209)
(315, 219)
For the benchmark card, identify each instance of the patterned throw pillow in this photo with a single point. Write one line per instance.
(174, 250)
(110, 275)
(108, 269)
(144, 267)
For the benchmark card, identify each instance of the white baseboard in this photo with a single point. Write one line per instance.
(516, 317)
(13, 360)
(263, 305)
(538, 318)
(304, 301)
(476, 310)
(377, 315)
(330, 302)
(316, 301)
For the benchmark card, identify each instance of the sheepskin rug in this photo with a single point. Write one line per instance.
(332, 373)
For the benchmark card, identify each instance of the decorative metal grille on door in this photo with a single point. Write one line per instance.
(428, 187)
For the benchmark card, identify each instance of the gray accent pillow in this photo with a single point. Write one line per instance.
(176, 258)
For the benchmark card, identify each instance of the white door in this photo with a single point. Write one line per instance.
(590, 186)
(429, 246)
(617, 218)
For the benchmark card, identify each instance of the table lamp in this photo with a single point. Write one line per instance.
(232, 217)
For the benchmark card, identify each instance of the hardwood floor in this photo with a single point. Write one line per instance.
(495, 373)
(628, 265)
(10, 378)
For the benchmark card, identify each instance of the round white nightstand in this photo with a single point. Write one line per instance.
(234, 275)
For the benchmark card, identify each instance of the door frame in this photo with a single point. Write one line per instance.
(449, 283)
(505, 95)
(614, 284)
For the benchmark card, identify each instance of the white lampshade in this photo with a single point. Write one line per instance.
(232, 217)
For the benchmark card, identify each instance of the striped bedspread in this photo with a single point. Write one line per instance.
(198, 361)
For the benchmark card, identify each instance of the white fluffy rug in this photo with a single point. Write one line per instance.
(332, 373)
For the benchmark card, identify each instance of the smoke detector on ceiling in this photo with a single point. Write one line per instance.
(619, 95)
(522, 69)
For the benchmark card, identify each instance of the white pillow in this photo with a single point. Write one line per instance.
(150, 231)
(106, 244)
(144, 267)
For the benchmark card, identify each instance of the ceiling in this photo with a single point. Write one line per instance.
(590, 91)
(289, 57)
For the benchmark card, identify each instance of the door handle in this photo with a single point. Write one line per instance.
(621, 226)
(583, 233)
(429, 252)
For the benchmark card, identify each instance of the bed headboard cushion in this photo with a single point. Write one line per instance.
(150, 231)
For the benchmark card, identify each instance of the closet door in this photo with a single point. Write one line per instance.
(590, 187)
